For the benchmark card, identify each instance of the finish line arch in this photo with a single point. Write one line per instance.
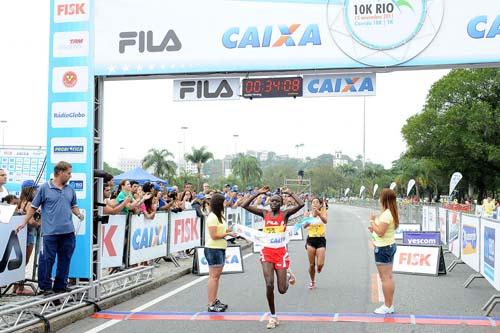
(92, 41)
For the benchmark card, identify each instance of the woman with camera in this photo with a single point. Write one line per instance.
(215, 250)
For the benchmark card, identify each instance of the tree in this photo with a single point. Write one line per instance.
(199, 157)
(247, 168)
(158, 160)
(111, 170)
(459, 127)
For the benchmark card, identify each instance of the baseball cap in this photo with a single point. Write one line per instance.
(227, 185)
(234, 188)
(200, 196)
(156, 187)
(29, 183)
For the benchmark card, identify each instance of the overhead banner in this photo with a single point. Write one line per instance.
(148, 238)
(336, 85)
(208, 89)
(185, 231)
(268, 35)
(113, 241)
(490, 262)
(470, 241)
(422, 260)
(12, 252)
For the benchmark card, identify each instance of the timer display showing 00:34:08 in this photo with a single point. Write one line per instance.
(272, 87)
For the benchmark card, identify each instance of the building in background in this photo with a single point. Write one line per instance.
(339, 159)
(127, 164)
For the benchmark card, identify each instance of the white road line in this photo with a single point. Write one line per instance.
(154, 301)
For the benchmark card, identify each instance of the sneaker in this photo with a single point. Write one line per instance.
(218, 302)
(216, 308)
(272, 323)
(312, 285)
(291, 277)
(384, 309)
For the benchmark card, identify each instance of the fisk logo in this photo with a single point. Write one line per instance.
(272, 36)
(71, 11)
(479, 27)
(145, 41)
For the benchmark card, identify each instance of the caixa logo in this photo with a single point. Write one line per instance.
(145, 41)
(481, 27)
(340, 85)
(272, 36)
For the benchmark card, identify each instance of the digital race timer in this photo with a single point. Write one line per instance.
(272, 87)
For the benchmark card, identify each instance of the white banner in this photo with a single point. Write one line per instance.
(412, 259)
(148, 238)
(361, 190)
(432, 221)
(375, 188)
(234, 216)
(272, 240)
(235, 36)
(454, 232)
(6, 212)
(346, 191)
(398, 234)
(393, 186)
(184, 231)
(490, 262)
(295, 233)
(443, 227)
(336, 85)
(455, 179)
(234, 260)
(470, 241)
(411, 183)
(207, 89)
(113, 241)
(12, 251)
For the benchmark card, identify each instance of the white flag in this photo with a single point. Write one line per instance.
(346, 191)
(411, 183)
(455, 178)
(375, 188)
(361, 190)
(393, 186)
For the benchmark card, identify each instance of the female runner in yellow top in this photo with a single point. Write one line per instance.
(316, 240)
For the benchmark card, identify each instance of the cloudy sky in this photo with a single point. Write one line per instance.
(142, 114)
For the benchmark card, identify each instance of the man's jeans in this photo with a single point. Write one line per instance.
(63, 247)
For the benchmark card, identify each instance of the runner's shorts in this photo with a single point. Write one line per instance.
(316, 242)
(279, 257)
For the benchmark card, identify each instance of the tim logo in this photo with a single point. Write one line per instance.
(145, 41)
(272, 36)
(13, 245)
(68, 149)
(77, 185)
(70, 79)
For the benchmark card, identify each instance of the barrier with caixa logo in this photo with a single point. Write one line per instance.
(148, 238)
(414, 259)
(12, 251)
(490, 263)
(233, 264)
(184, 231)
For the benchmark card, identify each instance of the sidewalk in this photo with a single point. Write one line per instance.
(165, 273)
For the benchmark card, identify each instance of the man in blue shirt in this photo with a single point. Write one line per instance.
(57, 201)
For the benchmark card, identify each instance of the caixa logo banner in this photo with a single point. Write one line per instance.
(233, 264)
(334, 85)
(206, 89)
(12, 251)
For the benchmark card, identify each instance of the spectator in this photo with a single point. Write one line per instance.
(57, 201)
(3, 181)
(126, 191)
(206, 188)
(135, 189)
(149, 207)
(186, 199)
(10, 199)
(112, 207)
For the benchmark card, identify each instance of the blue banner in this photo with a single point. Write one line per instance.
(430, 238)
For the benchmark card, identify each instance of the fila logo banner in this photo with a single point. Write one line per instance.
(206, 89)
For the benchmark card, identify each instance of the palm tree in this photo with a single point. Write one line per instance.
(199, 157)
(247, 168)
(158, 159)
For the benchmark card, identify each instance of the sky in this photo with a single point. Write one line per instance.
(141, 114)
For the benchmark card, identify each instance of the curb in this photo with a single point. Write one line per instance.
(67, 319)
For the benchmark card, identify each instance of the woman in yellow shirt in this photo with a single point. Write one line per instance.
(382, 228)
(316, 240)
(215, 250)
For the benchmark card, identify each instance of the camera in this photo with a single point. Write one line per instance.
(37, 216)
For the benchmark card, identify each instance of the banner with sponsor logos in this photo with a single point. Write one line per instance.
(208, 89)
(12, 251)
(411, 259)
(70, 110)
(113, 241)
(443, 225)
(490, 262)
(185, 231)
(425, 218)
(148, 238)
(21, 163)
(233, 264)
(424, 238)
(470, 241)
(234, 215)
(398, 233)
(265, 35)
(295, 233)
(337, 85)
(432, 220)
(454, 229)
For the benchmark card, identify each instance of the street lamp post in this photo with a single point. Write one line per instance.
(3, 122)
(235, 136)
(179, 158)
(297, 146)
(184, 128)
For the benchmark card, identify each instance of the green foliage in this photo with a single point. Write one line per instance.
(111, 170)
(459, 128)
(199, 157)
(159, 160)
(247, 169)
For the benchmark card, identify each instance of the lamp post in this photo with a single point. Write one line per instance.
(297, 146)
(184, 128)
(179, 158)
(235, 136)
(3, 122)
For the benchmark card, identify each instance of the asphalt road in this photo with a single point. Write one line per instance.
(348, 284)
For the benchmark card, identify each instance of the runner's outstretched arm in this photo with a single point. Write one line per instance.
(253, 210)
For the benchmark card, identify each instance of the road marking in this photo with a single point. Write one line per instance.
(151, 303)
(308, 317)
